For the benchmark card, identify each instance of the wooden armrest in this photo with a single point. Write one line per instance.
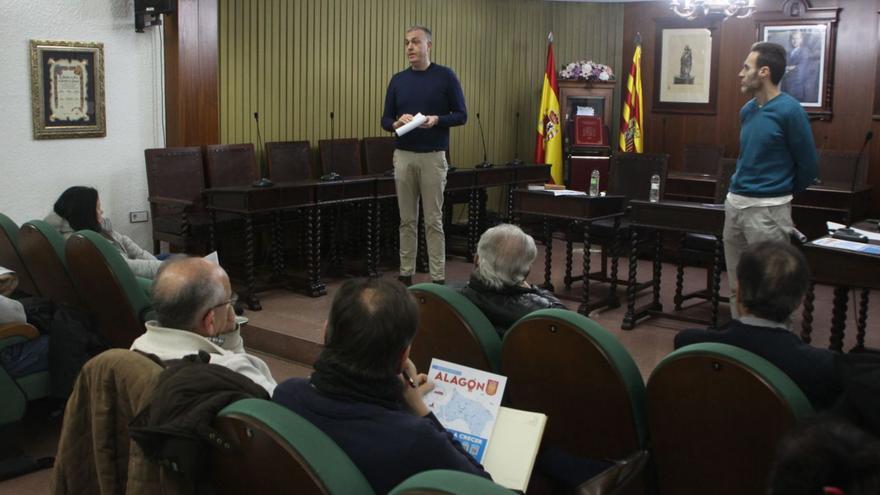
(18, 330)
(171, 201)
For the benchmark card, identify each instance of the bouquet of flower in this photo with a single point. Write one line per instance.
(587, 70)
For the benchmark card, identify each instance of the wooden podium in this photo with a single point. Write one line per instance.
(587, 110)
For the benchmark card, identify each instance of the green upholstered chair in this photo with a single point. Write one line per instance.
(116, 299)
(568, 367)
(10, 257)
(42, 249)
(15, 393)
(453, 329)
(716, 413)
(267, 448)
(444, 481)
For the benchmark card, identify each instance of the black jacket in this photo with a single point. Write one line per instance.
(176, 428)
(503, 307)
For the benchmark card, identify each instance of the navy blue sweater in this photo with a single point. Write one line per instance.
(777, 155)
(433, 91)
(388, 446)
(811, 368)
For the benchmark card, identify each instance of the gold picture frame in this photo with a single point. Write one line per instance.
(67, 89)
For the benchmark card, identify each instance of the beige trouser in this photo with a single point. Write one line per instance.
(746, 226)
(421, 174)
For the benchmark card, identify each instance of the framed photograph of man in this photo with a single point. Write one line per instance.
(809, 46)
(685, 61)
(67, 89)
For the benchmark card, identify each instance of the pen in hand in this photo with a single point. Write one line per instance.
(408, 378)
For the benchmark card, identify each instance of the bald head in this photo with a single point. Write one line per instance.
(187, 288)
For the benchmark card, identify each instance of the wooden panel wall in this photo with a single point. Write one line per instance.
(854, 73)
(191, 84)
(296, 61)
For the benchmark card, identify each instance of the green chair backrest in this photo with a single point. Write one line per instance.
(274, 450)
(10, 256)
(114, 295)
(568, 367)
(42, 250)
(716, 413)
(444, 481)
(453, 329)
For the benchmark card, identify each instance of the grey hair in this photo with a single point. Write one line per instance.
(181, 306)
(505, 255)
(418, 27)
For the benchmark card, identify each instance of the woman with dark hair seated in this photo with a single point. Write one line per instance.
(79, 208)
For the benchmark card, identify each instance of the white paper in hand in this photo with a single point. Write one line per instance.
(417, 120)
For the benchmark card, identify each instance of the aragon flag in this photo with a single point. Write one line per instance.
(549, 145)
(632, 117)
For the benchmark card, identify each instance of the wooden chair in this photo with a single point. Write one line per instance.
(342, 156)
(838, 169)
(699, 249)
(568, 367)
(701, 158)
(378, 154)
(716, 413)
(42, 250)
(231, 165)
(290, 161)
(446, 482)
(267, 448)
(119, 303)
(630, 176)
(175, 180)
(10, 257)
(453, 329)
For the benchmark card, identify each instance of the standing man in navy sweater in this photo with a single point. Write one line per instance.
(420, 158)
(777, 158)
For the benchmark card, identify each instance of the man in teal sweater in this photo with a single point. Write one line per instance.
(777, 158)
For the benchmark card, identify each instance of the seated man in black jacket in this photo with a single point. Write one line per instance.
(498, 284)
(365, 393)
(773, 278)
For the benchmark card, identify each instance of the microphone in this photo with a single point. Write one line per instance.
(262, 181)
(868, 136)
(516, 160)
(817, 181)
(332, 145)
(485, 163)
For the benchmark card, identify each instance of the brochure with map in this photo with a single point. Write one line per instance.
(467, 402)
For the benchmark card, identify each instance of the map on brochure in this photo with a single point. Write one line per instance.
(466, 401)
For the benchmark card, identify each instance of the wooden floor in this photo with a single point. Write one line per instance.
(289, 330)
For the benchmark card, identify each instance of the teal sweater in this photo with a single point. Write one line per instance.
(777, 155)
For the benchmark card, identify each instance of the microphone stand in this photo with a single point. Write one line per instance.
(485, 163)
(516, 160)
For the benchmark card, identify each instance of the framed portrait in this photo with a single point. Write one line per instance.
(67, 89)
(808, 36)
(685, 62)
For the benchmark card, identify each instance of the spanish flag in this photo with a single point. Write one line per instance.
(549, 146)
(632, 117)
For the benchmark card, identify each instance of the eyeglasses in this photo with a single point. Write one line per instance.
(231, 302)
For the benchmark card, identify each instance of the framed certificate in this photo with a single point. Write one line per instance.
(67, 89)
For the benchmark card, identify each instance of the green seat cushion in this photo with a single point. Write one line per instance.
(617, 354)
(784, 386)
(452, 482)
(328, 462)
(472, 316)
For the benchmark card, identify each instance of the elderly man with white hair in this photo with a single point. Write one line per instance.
(498, 284)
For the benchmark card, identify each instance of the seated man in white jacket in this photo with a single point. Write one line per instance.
(193, 301)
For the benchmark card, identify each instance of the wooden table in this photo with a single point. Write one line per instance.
(843, 270)
(674, 216)
(810, 208)
(582, 210)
